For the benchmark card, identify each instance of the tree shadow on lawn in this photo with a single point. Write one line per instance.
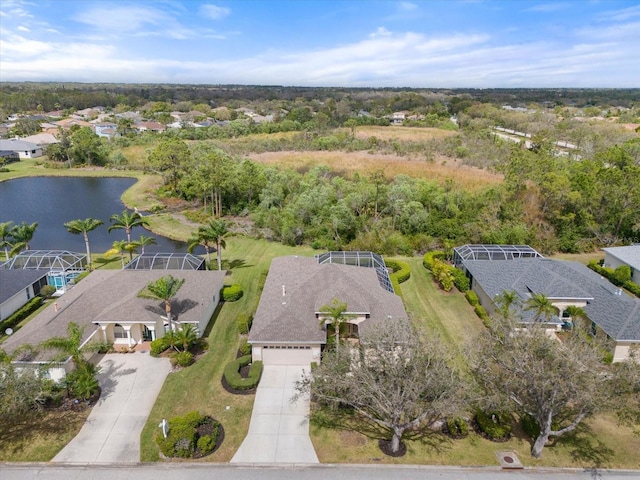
(583, 447)
(347, 419)
(235, 263)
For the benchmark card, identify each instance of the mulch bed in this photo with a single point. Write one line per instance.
(207, 429)
(385, 446)
(74, 404)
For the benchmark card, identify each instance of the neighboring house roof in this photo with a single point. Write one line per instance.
(308, 286)
(150, 126)
(17, 145)
(14, 281)
(613, 311)
(112, 296)
(41, 139)
(629, 255)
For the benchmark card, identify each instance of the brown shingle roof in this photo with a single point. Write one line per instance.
(308, 286)
(111, 295)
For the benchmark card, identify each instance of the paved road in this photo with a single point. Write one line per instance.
(279, 429)
(199, 471)
(130, 384)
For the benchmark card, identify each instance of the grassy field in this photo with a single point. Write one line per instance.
(199, 386)
(348, 163)
(407, 134)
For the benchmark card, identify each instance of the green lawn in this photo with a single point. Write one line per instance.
(199, 387)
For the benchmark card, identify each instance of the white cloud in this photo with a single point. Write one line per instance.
(548, 7)
(408, 6)
(118, 19)
(621, 15)
(23, 28)
(214, 12)
(380, 32)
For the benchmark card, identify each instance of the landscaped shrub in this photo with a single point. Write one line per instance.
(159, 345)
(482, 313)
(231, 293)
(622, 274)
(429, 257)
(401, 270)
(495, 425)
(235, 380)
(616, 277)
(442, 274)
(182, 359)
(396, 286)
(457, 427)
(530, 425)
(20, 314)
(47, 291)
(190, 436)
(245, 347)
(244, 323)
(460, 280)
(472, 298)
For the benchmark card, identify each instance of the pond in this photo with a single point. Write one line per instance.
(53, 201)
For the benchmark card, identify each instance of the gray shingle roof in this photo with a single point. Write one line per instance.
(629, 255)
(617, 315)
(13, 281)
(309, 286)
(111, 295)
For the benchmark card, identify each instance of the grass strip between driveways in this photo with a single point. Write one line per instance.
(199, 387)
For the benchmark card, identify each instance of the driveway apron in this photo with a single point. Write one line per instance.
(279, 428)
(130, 384)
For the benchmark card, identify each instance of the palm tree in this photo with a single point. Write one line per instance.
(22, 235)
(126, 221)
(71, 345)
(205, 236)
(165, 289)
(506, 300)
(187, 336)
(118, 248)
(541, 306)
(6, 229)
(219, 229)
(83, 227)
(576, 313)
(334, 315)
(144, 240)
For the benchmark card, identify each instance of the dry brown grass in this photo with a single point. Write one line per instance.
(466, 177)
(404, 133)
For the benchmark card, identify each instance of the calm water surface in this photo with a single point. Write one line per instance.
(53, 201)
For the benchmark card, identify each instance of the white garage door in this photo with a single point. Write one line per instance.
(287, 355)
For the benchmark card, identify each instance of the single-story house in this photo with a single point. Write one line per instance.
(42, 139)
(150, 127)
(17, 287)
(106, 304)
(615, 257)
(564, 283)
(287, 328)
(22, 148)
(106, 129)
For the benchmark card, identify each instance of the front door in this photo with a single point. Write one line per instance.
(146, 334)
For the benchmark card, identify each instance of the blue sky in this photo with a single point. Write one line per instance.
(365, 43)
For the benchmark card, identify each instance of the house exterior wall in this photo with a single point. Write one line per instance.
(33, 153)
(622, 351)
(285, 354)
(16, 302)
(485, 300)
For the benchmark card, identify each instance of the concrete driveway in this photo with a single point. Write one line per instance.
(130, 384)
(279, 429)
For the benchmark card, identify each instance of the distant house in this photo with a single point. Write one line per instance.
(67, 123)
(42, 139)
(106, 129)
(611, 311)
(397, 118)
(150, 127)
(22, 148)
(630, 255)
(287, 328)
(17, 287)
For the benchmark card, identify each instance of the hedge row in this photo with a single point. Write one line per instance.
(429, 257)
(615, 277)
(244, 322)
(235, 380)
(231, 293)
(20, 314)
(401, 270)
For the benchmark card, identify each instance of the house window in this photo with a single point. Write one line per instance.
(119, 331)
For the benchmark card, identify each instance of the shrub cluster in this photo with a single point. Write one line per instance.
(245, 347)
(182, 359)
(190, 436)
(620, 277)
(235, 380)
(429, 257)
(20, 314)
(460, 280)
(231, 293)
(244, 323)
(472, 298)
(495, 425)
(159, 345)
(457, 427)
(47, 291)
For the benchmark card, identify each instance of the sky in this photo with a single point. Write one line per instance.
(356, 43)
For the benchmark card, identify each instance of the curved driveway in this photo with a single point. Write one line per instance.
(130, 384)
